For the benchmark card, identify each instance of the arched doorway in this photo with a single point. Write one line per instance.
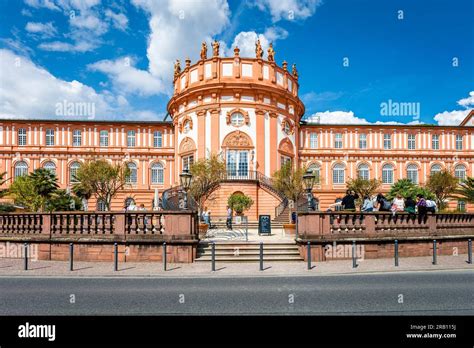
(238, 154)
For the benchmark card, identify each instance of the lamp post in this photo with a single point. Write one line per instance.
(308, 180)
(185, 178)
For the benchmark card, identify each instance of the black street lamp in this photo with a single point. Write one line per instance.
(308, 179)
(185, 179)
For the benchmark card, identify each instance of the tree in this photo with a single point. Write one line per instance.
(45, 181)
(61, 200)
(363, 187)
(289, 181)
(24, 193)
(3, 192)
(442, 184)
(102, 179)
(239, 202)
(406, 188)
(207, 173)
(465, 190)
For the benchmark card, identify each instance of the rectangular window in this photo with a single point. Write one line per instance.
(76, 137)
(338, 141)
(49, 137)
(362, 141)
(458, 142)
(22, 137)
(387, 141)
(131, 138)
(435, 142)
(313, 140)
(461, 206)
(157, 139)
(188, 162)
(104, 138)
(411, 142)
(284, 160)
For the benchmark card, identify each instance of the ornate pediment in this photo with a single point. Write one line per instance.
(187, 145)
(237, 139)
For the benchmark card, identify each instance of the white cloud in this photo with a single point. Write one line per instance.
(119, 20)
(49, 4)
(455, 117)
(245, 40)
(29, 91)
(345, 117)
(126, 78)
(177, 30)
(46, 29)
(59, 46)
(288, 9)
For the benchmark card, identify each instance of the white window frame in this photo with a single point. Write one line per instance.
(157, 173)
(363, 171)
(338, 141)
(313, 140)
(133, 177)
(20, 169)
(157, 139)
(339, 174)
(435, 142)
(49, 137)
(411, 141)
(387, 141)
(362, 141)
(131, 138)
(22, 137)
(104, 138)
(76, 137)
(412, 174)
(387, 174)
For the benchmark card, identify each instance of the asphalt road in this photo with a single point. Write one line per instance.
(444, 292)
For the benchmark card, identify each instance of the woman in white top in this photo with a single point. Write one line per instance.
(398, 204)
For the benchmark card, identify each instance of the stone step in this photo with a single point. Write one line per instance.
(248, 252)
(246, 258)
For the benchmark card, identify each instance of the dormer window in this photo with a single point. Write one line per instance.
(237, 119)
(286, 127)
(186, 126)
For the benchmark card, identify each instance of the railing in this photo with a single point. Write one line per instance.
(96, 225)
(381, 224)
(173, 199)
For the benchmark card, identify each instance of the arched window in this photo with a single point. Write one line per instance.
(412, 173)
(21, 168)
(435, 168)
(387, 174)
(50, 166)
(338, 174)
(157, 173)
(316, 170)
(363, 171)
(460, 172)
(73, 171)
(132, 178)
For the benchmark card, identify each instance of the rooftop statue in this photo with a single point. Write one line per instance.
(258, 49)
(203, 51)
(271, 53)
(177, 68)
(215, 48)
(294, 71)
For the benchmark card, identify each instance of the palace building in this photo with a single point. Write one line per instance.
(247, 110)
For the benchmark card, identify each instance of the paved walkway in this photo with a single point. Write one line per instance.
(14, 267)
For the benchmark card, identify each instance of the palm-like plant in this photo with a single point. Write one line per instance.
(3, 192)
(45, 182)
(465, 190)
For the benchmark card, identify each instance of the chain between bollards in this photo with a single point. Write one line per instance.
(26, 256)
(164, 256)
(261, 256)
(71, 256)
(213, 256)
(435, 261)
(308, 255)
(115, 257)
(396, 253)
(354, 258)
(469, 251)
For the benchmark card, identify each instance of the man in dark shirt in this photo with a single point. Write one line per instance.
(348, 202)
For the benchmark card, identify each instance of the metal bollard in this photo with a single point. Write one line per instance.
(396, 253)
(26, 256)
(434, 252)
(261, 256)
(354, 258)
(213, 256)
(164, 256)
(71, 257)
(308, 256)
(115, 257)
(469, 251)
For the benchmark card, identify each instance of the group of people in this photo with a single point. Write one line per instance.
(206, 217)
(421, 206)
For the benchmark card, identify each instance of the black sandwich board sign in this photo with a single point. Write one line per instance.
(264, 224)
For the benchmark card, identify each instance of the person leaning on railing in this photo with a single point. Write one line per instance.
(422, 208)
(348, 202)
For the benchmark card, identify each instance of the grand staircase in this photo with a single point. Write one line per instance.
(249, 252)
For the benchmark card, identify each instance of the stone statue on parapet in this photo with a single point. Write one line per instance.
(294, 71)
(258, 49)
(203, 51)
(177, 69)
(271, 53)
(215, 48)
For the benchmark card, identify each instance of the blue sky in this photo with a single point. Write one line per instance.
(351, 55)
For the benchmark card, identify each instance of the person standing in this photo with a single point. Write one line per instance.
(229, 217)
